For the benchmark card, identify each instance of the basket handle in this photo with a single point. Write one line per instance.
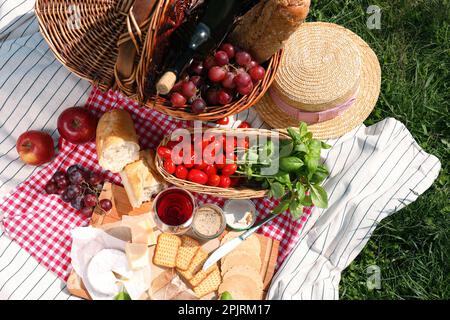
(129, 44)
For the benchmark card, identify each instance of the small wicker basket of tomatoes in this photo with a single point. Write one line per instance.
(247, 163)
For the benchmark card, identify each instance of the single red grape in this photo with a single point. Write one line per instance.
(177, 86)
(73, 191)
(95, 178)
(242, 79)
(229, 49)
(177, 100)
(209, 63)
(224, 96)
(77, 202)
(90, 200)
(197, 81)
(221, 58)
(257, 73)
(211, 96)
(188, 89)
(76, 177)
(196, 68)
(245, 90)
(252, 64)
(228, 82)
(243, 58)
(51, 188)
(86, 211)
(198, 106)
(105, 204)
(216, 74)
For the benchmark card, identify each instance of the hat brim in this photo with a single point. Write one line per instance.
(366, 99)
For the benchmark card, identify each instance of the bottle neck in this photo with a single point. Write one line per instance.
(201, 35)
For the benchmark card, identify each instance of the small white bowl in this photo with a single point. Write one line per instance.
(235, 210)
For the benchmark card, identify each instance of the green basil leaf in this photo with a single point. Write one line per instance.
(277, 190)
(122, 296)
(293, 133)
(290, 164)
(286, 150)
(297, 213)
(319, 196)
(301, 147)
(303, 129)
(282, 207)
(325, 146)
(312, 162)
(306, 201)
(300, 190)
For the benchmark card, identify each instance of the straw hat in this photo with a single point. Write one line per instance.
(329, 77)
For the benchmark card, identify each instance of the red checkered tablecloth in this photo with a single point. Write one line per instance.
(42, 223)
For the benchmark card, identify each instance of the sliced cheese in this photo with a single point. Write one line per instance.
(141, 230)
(138, 255)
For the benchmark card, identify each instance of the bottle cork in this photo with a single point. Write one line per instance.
(166, 83)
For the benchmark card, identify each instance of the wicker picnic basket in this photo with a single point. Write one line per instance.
(85, 34)
(229, 193)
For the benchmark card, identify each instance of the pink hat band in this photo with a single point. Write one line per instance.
(310, 117)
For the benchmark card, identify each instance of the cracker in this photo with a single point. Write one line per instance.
(201, 275)
(195, 266)
(210, 284)
(186, 252)
(166, 250)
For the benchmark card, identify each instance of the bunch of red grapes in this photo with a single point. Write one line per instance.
(218, 80)
(80, 188)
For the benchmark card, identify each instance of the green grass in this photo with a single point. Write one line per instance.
(413, 45)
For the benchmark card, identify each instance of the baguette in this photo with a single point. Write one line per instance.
(140, 181)
(263, 30)
(117, 142)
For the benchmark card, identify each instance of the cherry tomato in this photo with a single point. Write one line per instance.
(210, 170)
(172, 144)
(244, 125)
(243, 143)
(221, 161)
(197, 176)
(181, 172)
(225, 182)
(230, 144)
(223, 121)
(229, 169)
(169, 166)
(202, 166)
(214, 180)
(164, 152)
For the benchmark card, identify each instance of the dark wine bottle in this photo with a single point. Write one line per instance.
(212, 28)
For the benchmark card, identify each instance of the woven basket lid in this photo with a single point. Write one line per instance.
(320, 69)
(366, 95)
(83, 35)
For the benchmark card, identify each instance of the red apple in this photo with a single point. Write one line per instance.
(35, 147)
(77, 125)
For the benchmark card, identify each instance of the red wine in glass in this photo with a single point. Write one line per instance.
(174, 208)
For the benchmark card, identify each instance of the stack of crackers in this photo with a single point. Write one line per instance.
(240, 269)
(186, 255)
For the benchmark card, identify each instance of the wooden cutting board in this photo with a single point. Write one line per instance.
(161, 277)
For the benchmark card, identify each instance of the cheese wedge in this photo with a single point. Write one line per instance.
(141, 231)
(138, 255)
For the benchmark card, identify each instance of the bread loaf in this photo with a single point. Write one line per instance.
(117, 142)
(140, 180)
(263, 30)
